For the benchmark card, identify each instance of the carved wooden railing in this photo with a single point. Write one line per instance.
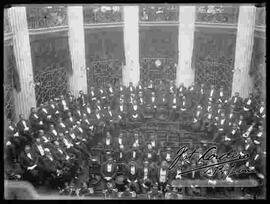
(46, 16)
(102, 14)
(217, 14)
(159, 13)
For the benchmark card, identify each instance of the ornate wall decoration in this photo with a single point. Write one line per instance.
(102, 14)
(100, 73)
(217, 14)
(159, 13)
(213, 59)
(46, 16)
(50, 83)
(165, 72)
(9, 65)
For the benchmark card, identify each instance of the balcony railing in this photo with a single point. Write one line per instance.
(217, 14)
(102, 14)
(260, 17)
(159, 13)
(7, 28)
(46, 16)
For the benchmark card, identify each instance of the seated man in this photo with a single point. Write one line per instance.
(162, 112)
(197, 119)
(51, 168)
(248, 108)
(181, 89)
(185, 113)
(92, 98)
(132, 173)
(221, 127)
(135, 114)
(108, 171)
(24, 128)
(35, 121)
(236, 102)
(150, 106)
(174, 107)
(82, 99)
(29, 163)
(208, 121)
(147, 177)
(260, 113)
(163, 176)
(17, 140)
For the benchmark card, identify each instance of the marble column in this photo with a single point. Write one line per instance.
(78, 80)
(25, 99)
(184, 73)
(131, 70)
(242, 82)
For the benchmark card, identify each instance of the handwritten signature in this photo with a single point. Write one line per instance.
(219, 166)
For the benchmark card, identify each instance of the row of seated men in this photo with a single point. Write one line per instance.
(72, 129)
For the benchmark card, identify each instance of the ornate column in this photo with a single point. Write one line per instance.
(131, 71)
(24, 99)
(184, 73)
(78, 80)
(242, 82)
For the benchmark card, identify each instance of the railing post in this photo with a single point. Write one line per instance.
(184, 73)
(78, 80)
(242, 82)
(25, 98)
(131, 71)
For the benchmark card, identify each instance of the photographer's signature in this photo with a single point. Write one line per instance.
(210, 163)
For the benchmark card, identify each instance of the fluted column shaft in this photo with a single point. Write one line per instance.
(78, 80)
(184, 73)
(242, 82)
(25, 99)
(131, 71)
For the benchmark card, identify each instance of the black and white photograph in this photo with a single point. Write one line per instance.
(134, 101)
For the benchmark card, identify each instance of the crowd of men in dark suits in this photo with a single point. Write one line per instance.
(60, 139)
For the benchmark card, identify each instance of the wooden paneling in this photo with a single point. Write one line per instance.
(48, 50)
(159, 42)
(104, 44)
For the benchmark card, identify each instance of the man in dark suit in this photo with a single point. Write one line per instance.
(147, 177)
(35, 121)
(24, 128)
(29, 163)
(108, 171)
(17, 140)
(236, 102)
(181, 89)
(174, 107)
(135, 114)
(197, 118)
(133, 175)
(162, 107)
(51, 168)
